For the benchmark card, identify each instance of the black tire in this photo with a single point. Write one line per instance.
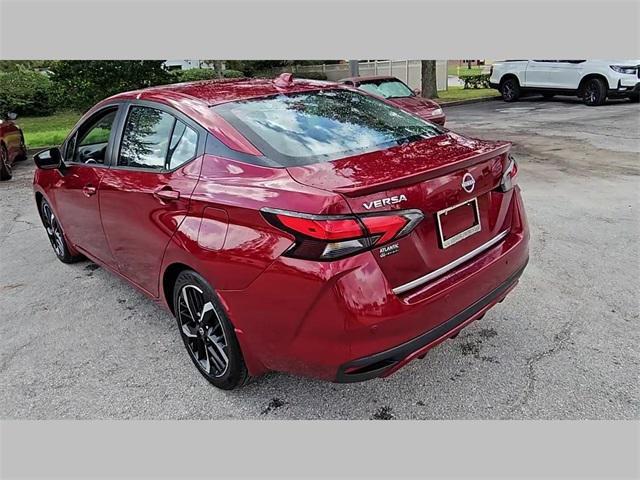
(548, 95)
(634, 98)
(56, 235)
(594, 92)
(510, 89)
(23, 156)
(209, 338)
(5, 167)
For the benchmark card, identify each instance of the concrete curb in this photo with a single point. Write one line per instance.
(464, 102)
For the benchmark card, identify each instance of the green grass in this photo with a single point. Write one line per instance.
(463, 70)
(47, 131)
(458, 93)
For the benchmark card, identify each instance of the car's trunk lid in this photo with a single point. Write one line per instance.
(425, 175)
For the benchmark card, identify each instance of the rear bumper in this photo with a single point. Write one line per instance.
(337, 320)
(385, 363)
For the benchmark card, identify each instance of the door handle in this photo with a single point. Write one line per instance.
(89, 190)
(167, 194)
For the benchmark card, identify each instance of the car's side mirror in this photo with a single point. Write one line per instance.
(416, 92)
(12, 115)
(48, 159)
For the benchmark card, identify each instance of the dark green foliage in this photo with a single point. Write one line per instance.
(476, 81)
(26, 92)
(232, 74)
(195, 74)
(86, 82)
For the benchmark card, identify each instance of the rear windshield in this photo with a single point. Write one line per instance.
(312, 127)
(387, 88)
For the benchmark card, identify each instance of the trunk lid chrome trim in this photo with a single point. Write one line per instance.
(450, 266)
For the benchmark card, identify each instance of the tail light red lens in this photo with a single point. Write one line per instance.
(329, 237)
(509, 175)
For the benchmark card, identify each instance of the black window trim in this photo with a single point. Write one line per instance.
(201, 132)
(107, 157)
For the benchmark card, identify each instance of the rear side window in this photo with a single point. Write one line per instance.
(156, 140)
(305, 128)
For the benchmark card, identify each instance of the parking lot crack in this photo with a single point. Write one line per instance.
(560, 342)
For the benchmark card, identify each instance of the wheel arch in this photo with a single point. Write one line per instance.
(506, 76)
(169, 278)
(591, 76)
(39, 198)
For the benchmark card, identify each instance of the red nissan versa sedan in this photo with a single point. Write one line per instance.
(288, 225)
(398, 93)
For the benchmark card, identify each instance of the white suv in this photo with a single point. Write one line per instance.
(592, 80)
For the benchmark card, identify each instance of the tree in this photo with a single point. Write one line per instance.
(218, 67)
(429, 84)
(85, 82)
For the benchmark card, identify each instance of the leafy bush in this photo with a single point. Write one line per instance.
(196, 74)
(86, 82)
(476, 81)
(232, 74)
(26, 92)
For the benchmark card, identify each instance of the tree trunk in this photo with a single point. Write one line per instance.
(429, 85)
(218, 66)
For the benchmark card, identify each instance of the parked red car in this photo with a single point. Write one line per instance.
(289, 225)
(398, 93)
(12, 147)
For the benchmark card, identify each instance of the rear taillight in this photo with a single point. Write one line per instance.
(509, 176)
(329, 237)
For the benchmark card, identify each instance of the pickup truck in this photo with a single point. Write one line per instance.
(592, 80)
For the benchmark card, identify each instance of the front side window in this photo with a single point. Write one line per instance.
(89, 144)
(304, 128)
(387, 88)
(156, 140)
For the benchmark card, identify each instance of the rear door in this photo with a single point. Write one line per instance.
(145, 195)
(539, 73)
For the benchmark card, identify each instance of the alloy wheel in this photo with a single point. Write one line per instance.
(507, 90)
(54, 232)
(590, 93)
(202, 330)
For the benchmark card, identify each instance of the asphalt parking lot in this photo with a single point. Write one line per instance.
(77, 342)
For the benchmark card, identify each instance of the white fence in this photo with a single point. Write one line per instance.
(410, 71)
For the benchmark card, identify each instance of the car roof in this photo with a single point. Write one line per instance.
(194, 99)
(215, 92)
(369, 78)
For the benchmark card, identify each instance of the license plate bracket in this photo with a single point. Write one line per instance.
(467, 208)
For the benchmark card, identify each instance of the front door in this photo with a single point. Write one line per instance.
(145, 194)
(76, 199)
(566, 74)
